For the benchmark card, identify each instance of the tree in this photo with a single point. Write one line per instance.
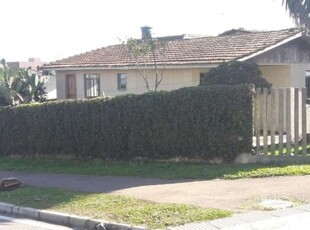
(235, 73)
(145, 52)
(20, 86)
(299, 10)
(32, 85)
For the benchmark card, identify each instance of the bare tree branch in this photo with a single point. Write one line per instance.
(162, 74)
(141, 71)
(143, 50)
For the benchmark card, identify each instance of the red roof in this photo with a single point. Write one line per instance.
(205, 50)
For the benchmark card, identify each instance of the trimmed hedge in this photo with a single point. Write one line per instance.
(195, 122)
(235, 73)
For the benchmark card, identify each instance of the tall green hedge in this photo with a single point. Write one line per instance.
(195, 122)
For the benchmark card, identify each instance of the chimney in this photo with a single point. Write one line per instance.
(34, 60)
(146, 32)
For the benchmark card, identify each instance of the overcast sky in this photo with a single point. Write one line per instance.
(54, 29)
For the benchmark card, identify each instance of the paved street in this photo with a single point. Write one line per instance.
(12, 223)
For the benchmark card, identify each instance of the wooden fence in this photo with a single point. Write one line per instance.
(280, 122)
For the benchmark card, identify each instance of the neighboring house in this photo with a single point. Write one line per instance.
(33, 63)
(283, 57)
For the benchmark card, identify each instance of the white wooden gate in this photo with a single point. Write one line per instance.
(280, 121)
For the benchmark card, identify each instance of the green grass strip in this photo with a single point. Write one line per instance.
(108, 207)
(169, 170)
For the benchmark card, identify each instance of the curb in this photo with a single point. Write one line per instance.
(63, 219)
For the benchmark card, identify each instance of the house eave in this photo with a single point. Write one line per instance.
(298, 35)
(79, 68)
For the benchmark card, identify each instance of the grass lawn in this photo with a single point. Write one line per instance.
(285, 151)
(169, 170)
(114, 208)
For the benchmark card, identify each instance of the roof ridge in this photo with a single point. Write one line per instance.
(292, 29)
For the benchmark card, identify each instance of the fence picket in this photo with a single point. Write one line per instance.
(281, 113)
(304, 121)
(288, 121)
(265, 130)
(262, 109)
(273, 121)
(258, 117)
(296, 123)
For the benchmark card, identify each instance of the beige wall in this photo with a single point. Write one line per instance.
(278, 76)
(60, 85)
(298, 74)
(173, 79)
(286, 75)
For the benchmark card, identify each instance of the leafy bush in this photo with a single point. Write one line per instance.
(20, 85)
(195, 122)
(235, 73)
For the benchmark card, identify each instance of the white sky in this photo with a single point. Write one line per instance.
(54, 29)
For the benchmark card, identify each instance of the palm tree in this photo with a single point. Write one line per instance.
(299, 10)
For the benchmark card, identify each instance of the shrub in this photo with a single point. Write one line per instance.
(235, 73)
(195, 122)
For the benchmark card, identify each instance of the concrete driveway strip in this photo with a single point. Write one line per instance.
(224, 194)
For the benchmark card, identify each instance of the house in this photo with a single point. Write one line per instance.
(283, 57)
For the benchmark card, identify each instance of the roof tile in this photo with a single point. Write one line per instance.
(205, 50)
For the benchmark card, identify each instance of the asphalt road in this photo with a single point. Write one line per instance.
(13, 223)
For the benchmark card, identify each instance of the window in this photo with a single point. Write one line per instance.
(92, 85)
(308, 84)
(202, 75)
(121, 81)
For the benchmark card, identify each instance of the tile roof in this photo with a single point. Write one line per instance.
(205, 50)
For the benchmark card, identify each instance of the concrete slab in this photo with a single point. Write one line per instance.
(275, 204)
(288, 219)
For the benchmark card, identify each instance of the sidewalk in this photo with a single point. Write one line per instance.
(288, 219)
